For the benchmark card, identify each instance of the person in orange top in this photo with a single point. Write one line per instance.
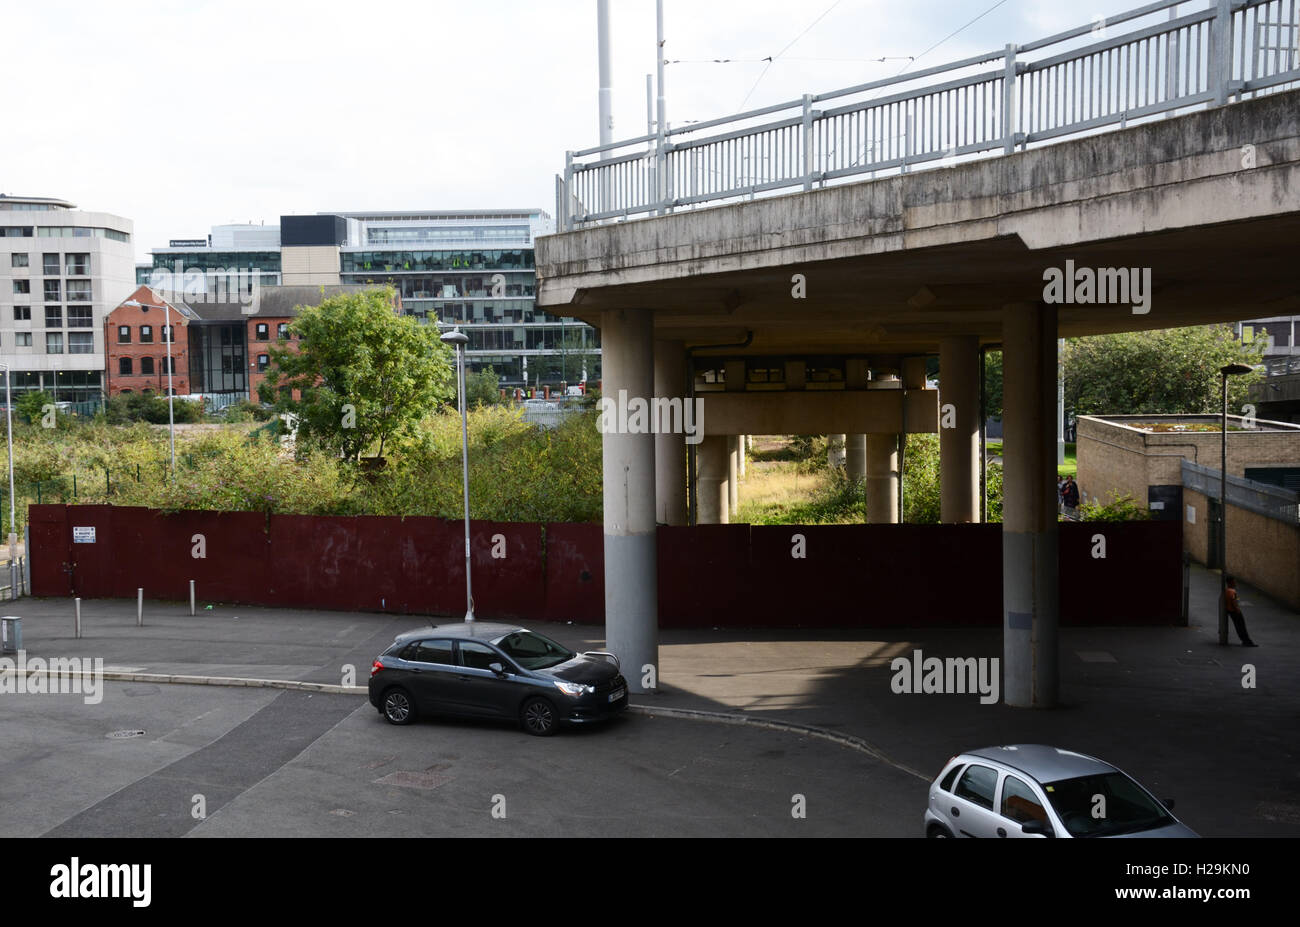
(1233, 608)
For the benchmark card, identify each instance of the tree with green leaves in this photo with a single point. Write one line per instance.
(365, 373)
(1167, 372)
(482, 388)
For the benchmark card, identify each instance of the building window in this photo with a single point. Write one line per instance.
(79, 291)
(53, 316)
(124, 334)
(51, 264)
(52, 291)
(168, 334)
(22, 313)
(23, 339)
(80, 317)
(81, 342)
(263, 332)
(282, 331)
(146, 366)
(22, 286)
(124, 367)
(78, 265)
(18, 260)
(54, 342)
(146, 334)
(263, 361)
(168, 364)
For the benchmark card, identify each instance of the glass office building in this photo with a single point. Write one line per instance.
(471, 269)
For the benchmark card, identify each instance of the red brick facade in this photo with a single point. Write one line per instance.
(143, 323)
(260, 343)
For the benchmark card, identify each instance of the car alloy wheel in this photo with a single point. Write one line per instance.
(397, 707)
(539, 717)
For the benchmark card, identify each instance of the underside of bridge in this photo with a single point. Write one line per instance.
(812, 313)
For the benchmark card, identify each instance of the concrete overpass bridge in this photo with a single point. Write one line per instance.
(813, 312)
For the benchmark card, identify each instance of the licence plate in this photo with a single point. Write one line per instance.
(617, 694)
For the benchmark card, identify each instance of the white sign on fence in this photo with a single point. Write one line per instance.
(83, 535)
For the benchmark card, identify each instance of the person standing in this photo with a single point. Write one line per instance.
(1232, 605)
(1070, 496)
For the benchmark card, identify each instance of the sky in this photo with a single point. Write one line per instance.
(183, 115)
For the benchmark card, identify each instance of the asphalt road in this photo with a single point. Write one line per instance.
(271, 763)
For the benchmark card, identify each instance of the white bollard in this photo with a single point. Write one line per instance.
(139, 607)
(76, 625)
(191, 598)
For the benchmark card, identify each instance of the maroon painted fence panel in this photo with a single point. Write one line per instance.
(709, 576)
(575, 573)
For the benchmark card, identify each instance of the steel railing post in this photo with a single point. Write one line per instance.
(807, 141)
(1009, 120)
(1221, 51)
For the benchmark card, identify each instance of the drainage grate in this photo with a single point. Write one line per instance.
(123, 735)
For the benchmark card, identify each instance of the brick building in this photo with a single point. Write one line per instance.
(222, 349)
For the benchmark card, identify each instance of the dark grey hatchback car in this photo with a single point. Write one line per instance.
(489, 670)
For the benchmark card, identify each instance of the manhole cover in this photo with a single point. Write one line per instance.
(124, 735)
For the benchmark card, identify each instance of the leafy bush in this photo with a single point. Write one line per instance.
(1118, 508)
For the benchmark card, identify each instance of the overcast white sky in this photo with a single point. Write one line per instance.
(183, 115)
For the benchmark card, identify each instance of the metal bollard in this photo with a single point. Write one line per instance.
(77, 618)
(139, 607)
(191, 598)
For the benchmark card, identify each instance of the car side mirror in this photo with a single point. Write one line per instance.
(497, 668)
(1037, 827)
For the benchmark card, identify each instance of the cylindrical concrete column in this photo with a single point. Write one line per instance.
(959, 429)
(835, 451)
(631, 591)
(742, 444)
(881, 456)
(855, 457)
(711, 482)
(670, 449)
(1030, 577)
(733, 473)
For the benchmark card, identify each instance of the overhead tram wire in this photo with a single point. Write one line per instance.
(786, 49)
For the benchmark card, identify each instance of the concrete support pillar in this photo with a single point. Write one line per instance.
(715, 495)
(881, 455)
(1030, 580)
(670, 449)
(959, 429)
(855, 457)
(742, 445)
(733, 473)
(835, 451)
(628, 467)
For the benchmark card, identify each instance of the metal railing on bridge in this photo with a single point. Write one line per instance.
(1261, 498)
(987, 103)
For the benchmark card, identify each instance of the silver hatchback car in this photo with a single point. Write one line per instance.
(1031, 790)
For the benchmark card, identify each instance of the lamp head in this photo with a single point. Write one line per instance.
(1233, 370)
(457, 338)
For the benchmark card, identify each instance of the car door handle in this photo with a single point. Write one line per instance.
(1002, 831)
(955, 812)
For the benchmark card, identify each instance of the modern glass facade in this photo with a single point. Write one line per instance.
(469, 269)
(218, 358)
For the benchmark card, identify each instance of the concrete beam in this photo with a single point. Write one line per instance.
(1030, 580)
(628, 467)
(670, 449)
(959, 399)
(882, 478)
(711, 481)
(820, 412)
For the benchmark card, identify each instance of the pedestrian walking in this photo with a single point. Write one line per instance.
(1232, 605)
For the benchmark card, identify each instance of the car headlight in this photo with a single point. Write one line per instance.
(574, 688)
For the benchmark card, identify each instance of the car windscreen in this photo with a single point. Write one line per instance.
(533, 651)
(1105, 805)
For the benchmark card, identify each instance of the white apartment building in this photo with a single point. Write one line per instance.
(61, 270)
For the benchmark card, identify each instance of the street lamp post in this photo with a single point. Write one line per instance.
(167, 335)
(1231, 370)
(459, 339)
(13, 525)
